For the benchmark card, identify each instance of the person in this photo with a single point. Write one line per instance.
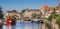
(1, 21)
(8, 22)
(1, 24)
(13, 23)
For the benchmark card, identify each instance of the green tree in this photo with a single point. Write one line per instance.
(58, 21)
(0, 9)
(34, 15)
(53, 15)
(39, 15)
(50, 17)
(1, 15)
(22, 11)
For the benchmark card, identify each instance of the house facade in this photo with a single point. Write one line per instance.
(46, 11)
(12, 13)
(29, 12)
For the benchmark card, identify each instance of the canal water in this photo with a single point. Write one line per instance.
(26, 25)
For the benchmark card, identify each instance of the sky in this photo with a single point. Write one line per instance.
(19, 5)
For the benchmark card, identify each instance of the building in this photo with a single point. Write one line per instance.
(46, 10)
(12, 13)
(29, 12)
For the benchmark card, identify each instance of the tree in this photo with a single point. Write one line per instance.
(34, 15)
(58, 21)
(50, 17)
(1, 15)
(13, 11)
(39, 15)
(22, 11)
(53, 15)
(0, 9)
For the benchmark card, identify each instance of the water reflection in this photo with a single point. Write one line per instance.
(25, 25)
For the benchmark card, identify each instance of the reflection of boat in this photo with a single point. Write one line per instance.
(25, 25)
(36, 19)
(26, 19)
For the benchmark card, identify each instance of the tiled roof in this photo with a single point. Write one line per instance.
(54, 8)
(44, 7)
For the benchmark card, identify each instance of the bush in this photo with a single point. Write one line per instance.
(58, 21)
(52, 15)
(22, 11)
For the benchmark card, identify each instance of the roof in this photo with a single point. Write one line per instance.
(32, 9)
(54, 8)
(44, 6)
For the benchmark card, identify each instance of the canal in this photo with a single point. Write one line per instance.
(25, 25)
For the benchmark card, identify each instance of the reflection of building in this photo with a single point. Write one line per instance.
(29, 12)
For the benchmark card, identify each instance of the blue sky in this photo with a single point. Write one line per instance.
(23, 4)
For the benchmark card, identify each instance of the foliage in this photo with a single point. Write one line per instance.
(0, 9)
(34, 15)
(22, 11)
(50, 17)
(39, 15)
(58, 21)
